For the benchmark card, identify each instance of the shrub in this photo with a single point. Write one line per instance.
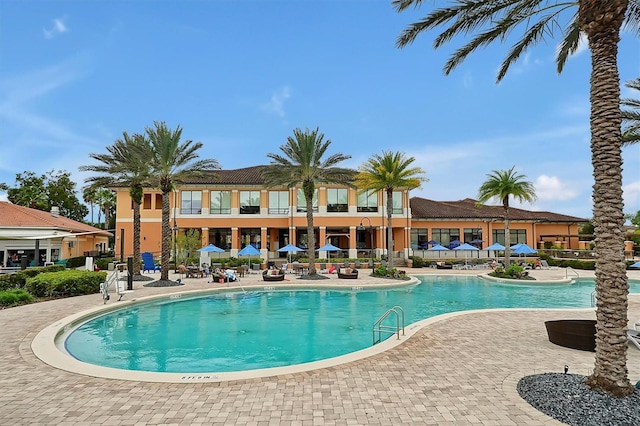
(19, 279)
(513, 272)
(76, 262)
(418, 262)
(103, 263)
(14, 297)
(387, 272)
(65, 283)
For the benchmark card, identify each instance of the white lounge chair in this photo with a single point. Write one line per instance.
(545, 265)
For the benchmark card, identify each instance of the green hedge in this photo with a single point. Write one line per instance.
(76, 262)
(65, 283)
(14, 297)
(19, 279)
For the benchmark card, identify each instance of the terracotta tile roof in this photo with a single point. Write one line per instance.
(14, 216)
(422, 208)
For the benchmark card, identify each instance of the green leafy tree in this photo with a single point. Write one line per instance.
(188, 242)
(171, 163)
(31, 191)
(388, 172)
(501, 185)
(633, 218)
(124, 164)
(302, 163)
(631, 115)
(489, 21)
(54, 189)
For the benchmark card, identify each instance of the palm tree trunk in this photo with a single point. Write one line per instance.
(601, 20)
(311, 236)
(136, 238)
(507, 234)
(166, 235)
(389, 226)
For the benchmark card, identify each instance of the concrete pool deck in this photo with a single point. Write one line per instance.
(459, 370)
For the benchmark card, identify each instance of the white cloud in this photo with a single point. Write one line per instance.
(58, 27)
(276, 103)
(631, 194)
(550, 188)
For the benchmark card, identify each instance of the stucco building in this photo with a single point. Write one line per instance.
(232, 208)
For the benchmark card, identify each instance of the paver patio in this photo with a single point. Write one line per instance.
(462, 370)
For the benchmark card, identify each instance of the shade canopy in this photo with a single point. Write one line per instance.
(249, 251)
(635, 265)
(290, 248)
(211, 248)
(466, 246)
(455, 243)
(438, 247)
(495, 246)
(522, 249)
(329, 247)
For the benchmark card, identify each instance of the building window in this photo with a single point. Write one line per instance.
(302, 203)
(146, 201)
(445, 235)
(278, 202)
(419, 238)
(473, 236)
(249, 202)
(368, 202)
(220, 202)
(516, 236)
(158, 201)
(397, 202)
(191, 202)
(337, 200)
(250, 236)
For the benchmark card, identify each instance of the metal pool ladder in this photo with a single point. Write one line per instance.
(380, 328)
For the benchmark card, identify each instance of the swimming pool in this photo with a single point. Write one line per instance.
(237, 331)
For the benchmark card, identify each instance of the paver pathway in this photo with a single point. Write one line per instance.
(462, 370)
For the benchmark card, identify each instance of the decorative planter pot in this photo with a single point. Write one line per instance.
(574, 334)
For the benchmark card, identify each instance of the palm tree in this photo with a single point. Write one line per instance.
(172, 162)
(502, 184)
(126, 164)
(89, 195)
(488, 21)
(302, 164)
(631, 117)
(388, 172)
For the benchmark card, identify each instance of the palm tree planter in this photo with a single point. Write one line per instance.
(574, 334)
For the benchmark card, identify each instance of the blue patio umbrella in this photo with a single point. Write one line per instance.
(466, 247)
(495, 247)
(290, 248)
(329, 248)
(522, 248)
(211, 248)
(438, 248)
(433, 243)
(635, 265)
(455, 243)
(249, 250)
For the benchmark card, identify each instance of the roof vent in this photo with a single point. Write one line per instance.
(55, 211)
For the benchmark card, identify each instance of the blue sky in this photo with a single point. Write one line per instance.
(240, 75)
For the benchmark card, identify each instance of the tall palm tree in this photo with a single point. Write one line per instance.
(501, 185)
(172, 162)
(301, 163)
(488, 21)
(388, 172)
(89, 195)
(125, 164)
(631, 117)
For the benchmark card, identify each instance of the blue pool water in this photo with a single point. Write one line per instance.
(223, 332)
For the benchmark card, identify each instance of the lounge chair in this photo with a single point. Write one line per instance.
(348, 273)
(545, 265)
(273, 275)
(148, 263)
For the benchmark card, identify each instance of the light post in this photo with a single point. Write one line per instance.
(361, 228)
